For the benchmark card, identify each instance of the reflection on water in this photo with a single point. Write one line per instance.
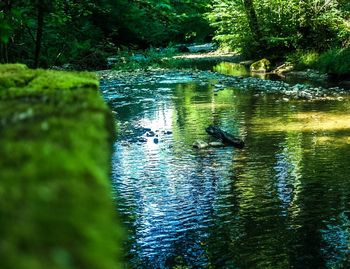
(233, 69)
(282, 202)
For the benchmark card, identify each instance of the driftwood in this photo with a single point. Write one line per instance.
(224, 136)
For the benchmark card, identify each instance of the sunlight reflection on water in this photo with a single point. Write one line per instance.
(282, 202)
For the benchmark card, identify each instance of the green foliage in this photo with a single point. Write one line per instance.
(69, 33)
(85, 32)
(304, 59)
(333, 61)
(55, 210)
(231, 24)
(284, 25)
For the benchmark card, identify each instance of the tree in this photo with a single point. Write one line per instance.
(45, 33)
(41, 7)
(281, 25)
(252, 20)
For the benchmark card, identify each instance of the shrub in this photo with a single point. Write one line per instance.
(335, 61)
(303, 59)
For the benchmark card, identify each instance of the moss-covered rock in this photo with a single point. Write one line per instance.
(56, 209)
(261, 66)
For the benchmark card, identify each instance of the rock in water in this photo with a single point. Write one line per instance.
(261, 66)
(225, 137)
(200, 144)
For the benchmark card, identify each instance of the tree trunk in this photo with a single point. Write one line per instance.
(7, 5)
(4, 53)
(252, 20)
(39, 31)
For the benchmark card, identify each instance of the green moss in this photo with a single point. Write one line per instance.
(261, 66)
(12, 67)
(56, 209)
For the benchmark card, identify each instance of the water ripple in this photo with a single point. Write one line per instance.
(282, 202)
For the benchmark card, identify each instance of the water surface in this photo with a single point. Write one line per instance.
(281, 202)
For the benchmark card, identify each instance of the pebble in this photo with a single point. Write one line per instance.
(142, 139)
(216, 144)
(125, 144)
(150, 134)
(200, 144)
(302, 91)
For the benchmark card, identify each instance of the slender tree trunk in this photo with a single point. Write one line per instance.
(6, 53)
(3, 53)
(252, 20)
(39, 31)
(7, 5)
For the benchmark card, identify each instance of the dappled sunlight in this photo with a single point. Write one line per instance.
(211, 105)
(332, 141)
(304, 122)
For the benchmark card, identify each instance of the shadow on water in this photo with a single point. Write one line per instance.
(282, 202)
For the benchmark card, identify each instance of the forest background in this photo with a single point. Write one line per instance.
(46, 33)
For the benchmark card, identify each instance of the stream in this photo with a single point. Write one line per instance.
(281, 202)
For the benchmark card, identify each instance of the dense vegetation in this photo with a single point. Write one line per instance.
(47, 33)
(283, 25)
(55, 205)
(57, 129)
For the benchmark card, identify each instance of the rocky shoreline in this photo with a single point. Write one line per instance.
(219, 82)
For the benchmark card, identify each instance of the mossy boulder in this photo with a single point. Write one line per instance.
(261, 66)
(56, 209)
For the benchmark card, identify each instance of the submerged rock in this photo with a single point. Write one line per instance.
(150, 134)
(200, 144)
(142, 139)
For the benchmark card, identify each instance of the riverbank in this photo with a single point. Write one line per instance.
(326, 67)
(56, 209)
(213, 56)
(287, 91)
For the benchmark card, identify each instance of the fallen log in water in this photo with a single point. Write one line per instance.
(224, 136)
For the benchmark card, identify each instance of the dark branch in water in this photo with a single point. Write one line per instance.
(224, 136)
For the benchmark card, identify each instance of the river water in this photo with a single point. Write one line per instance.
(281, 202)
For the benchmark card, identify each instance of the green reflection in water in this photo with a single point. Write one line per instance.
(233, 69)
(282, 202)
